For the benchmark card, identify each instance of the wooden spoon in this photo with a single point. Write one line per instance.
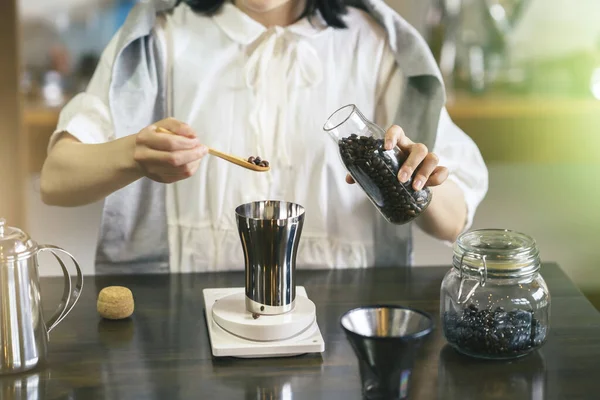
(227, 157)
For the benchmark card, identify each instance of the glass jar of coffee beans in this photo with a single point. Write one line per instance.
(494, 302)
(375, 169)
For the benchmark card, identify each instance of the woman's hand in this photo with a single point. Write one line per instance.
(168, 158)
(419, 159)
(446, 215)
(76, 174)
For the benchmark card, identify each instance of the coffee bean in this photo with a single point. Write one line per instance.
(258, 161)
(376, 170)
(496, 333)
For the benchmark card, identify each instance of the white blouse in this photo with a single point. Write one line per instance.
(249, 90)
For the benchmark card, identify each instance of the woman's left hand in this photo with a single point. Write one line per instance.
(425, 163)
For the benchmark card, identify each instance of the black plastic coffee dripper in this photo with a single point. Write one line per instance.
(386, 340)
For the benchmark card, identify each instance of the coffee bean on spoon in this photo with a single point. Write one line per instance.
(258, 161)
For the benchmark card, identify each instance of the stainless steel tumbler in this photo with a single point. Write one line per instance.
(270, 232)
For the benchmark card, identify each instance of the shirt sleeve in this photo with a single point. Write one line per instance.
(456, 151)
(87, 116)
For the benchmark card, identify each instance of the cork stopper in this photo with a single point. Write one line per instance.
(115, 302)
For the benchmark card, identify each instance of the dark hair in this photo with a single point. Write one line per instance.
(331, 10)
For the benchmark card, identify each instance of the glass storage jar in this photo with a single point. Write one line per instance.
(494, 303)
(360, 144)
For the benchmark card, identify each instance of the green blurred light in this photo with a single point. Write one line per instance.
(595, 83)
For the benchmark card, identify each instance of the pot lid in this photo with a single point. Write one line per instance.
(14, 243)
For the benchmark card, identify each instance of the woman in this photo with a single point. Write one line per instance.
(255, 77)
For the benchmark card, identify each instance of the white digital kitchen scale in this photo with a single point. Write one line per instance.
(235, 332)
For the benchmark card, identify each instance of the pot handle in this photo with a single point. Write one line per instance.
(70, 294)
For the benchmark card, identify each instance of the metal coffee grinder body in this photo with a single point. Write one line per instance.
(270, 232)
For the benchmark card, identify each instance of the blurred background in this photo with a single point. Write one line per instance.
(523, 78)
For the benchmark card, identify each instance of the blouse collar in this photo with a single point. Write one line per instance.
(241, 28)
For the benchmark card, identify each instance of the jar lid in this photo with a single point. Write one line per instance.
(14, 243)
(501, 252)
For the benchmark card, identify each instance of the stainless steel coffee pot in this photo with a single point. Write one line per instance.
(24, 333)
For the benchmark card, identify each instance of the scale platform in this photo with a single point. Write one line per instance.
(270, 333)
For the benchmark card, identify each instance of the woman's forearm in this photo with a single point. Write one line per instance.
(76, 174)
(446, 215)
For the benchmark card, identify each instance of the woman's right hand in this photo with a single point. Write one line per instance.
(168, 158)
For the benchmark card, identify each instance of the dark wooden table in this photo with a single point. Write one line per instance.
(163, 351)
